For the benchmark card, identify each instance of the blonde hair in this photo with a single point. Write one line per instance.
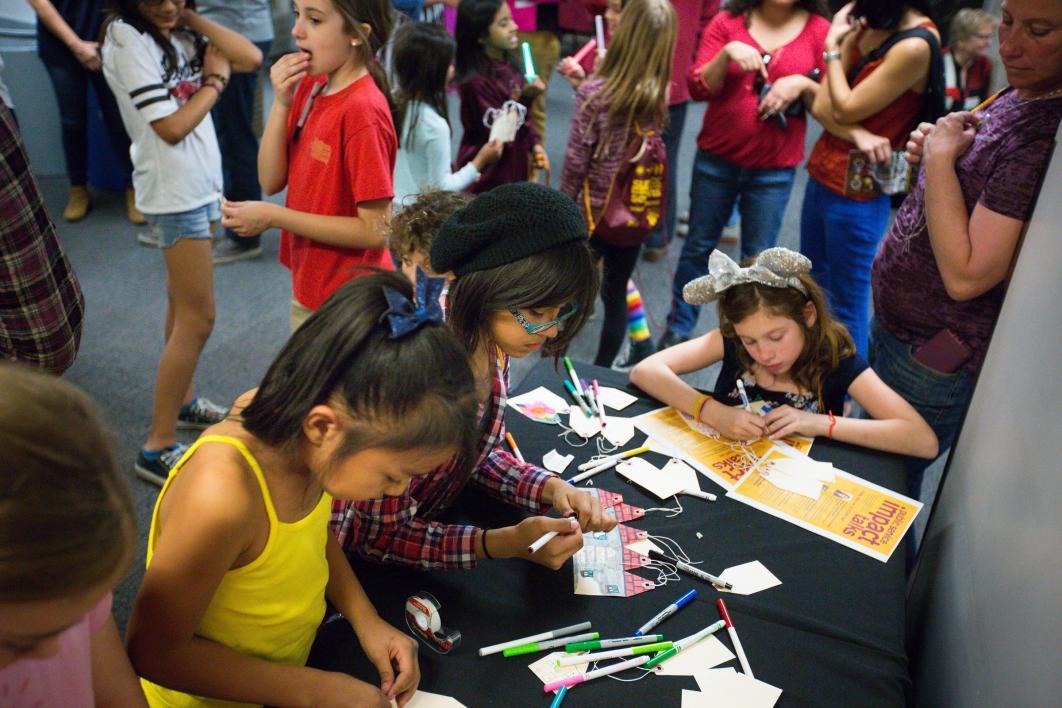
(637, 67)
(968, 21)
(66, 516)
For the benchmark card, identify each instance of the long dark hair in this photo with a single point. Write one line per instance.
(67, 522)
(379, 16)
(474, 18)
(128, 11)
(546, 279)
(740, 7)
(411, 392)
(886, 14)
(423, 53)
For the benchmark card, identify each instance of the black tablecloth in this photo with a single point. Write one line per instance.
(832, 634)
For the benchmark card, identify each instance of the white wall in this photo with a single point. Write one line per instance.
(985, 614)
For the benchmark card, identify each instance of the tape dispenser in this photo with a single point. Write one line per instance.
(423, 619)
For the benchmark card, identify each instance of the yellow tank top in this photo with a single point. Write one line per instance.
(269, 608)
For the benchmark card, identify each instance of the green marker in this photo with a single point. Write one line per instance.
(573, 375)
(613, 654)
(684, 644)
(613, 643)
(552, 644)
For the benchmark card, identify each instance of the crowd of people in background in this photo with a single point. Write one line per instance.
(387, 401)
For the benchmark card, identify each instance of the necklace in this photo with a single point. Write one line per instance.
(1054, 93)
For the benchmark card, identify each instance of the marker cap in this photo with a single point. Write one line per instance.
(723, 613)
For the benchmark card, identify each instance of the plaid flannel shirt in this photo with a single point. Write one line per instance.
(41, 305)
(401, 530)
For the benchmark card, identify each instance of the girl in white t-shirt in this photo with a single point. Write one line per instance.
(167, 67)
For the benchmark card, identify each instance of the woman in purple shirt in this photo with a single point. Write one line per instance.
(939, 277)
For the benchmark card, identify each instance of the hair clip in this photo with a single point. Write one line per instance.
(404, 317)
(776, 268)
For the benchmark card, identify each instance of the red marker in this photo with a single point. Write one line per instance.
(734, 638)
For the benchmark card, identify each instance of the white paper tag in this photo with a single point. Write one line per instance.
(547, 670)
(658, 482)
(749, 578)
(539, 395)
(703, 655)
(618, 431)
(505, 121)
(586, 426)
(615, 398)
(556, 462)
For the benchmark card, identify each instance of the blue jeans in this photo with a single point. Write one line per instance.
(715, 188)
(71, 81)
(939, 398)
(665, 230)
(841, 236)
(234, 124)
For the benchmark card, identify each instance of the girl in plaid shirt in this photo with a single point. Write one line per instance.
(523, 281)
(369, 393)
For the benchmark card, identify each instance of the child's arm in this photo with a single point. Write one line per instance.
(658, 375)
(896, 427)
(285, 75)
(113, 681)
(242, 54)
(876, 147)
(176, 126)
(578, 154)
(87, 53)
(393, 653)
(366, 230)
(212, 512)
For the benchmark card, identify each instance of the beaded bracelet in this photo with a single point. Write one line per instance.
(833, 422)
(699, 406)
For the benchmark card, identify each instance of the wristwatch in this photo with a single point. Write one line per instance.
(830, 56)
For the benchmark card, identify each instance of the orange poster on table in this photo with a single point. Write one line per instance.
(721, 459)
(839, 506)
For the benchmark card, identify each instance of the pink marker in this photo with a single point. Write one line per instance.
(596, 673)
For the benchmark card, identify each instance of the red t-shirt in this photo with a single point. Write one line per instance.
(344, 154)
(731, 128)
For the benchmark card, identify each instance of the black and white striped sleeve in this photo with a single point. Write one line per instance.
(137, 71)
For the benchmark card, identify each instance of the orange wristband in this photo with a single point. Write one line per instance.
(699, 406)
(833, 422)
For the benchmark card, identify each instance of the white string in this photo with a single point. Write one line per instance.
(568, 431)
(673, 548)
(604, 447)
(672, 511)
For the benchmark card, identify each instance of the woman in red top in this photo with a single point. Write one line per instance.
(753, 64)
(840, 230)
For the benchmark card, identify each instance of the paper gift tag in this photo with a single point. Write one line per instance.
(648, 477)
(423, 699)
(704, 678)
(618, 431)
(736, 689)
(797, 485)
(585, 427)
(682, 472)
(556, 462)
(547, 670)
(703, 655)
(749, 578)
(644, 546)
(806, 468)
(614, 398)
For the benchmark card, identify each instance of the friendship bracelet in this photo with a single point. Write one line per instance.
(486, 553)
(224, 81)
(210, 85)
(699, 406)
(833, 422)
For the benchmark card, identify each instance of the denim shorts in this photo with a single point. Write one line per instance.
(195, 223)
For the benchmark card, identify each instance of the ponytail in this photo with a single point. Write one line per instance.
(379, 16)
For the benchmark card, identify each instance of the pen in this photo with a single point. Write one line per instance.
(512, 443)
(738, 649)
(744, 396)
(695, 572)
(600, 405)
(618, 456)
(614, 654)
(532, 647)
(578, 398)
(684, 644)
(589, 395)
(666, 612)
(546, 538)
(559, 697)
(573, 375)
(605, 465)
(563, 631)
(613, 643)
(707, 496)
(597, 673)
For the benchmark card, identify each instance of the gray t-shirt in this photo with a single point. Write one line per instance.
(251, 18)
(5, 95)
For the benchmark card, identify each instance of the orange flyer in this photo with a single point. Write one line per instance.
(722, 460)
(849, 510)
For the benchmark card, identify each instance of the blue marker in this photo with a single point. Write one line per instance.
(666, 612)
(563, 689)
(578, 399)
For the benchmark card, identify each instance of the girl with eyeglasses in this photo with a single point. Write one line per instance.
(524, 281)
(755, 66)
(329, 139)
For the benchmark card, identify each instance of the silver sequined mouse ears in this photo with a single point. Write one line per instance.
(776, 267)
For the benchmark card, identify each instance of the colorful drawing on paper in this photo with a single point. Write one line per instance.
(600, 567)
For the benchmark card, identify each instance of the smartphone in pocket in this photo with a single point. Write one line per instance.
(944, 352)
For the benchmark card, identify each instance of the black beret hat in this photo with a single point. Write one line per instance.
(506, 224)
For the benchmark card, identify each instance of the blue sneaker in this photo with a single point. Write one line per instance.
(156, 467)
(199, 414)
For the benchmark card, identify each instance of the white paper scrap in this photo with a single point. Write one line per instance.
(423, 699)
(696, 699)
(644, 546)
(539, 395)
(736, 690)
(585, 427)
(659, 482)
(616, 399)
(806, 468)
(556, 462)
(618, 431)
(704, 678)
(547, 670)
(705, 654)
(749, 578)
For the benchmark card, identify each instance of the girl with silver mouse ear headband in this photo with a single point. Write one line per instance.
(776, 267)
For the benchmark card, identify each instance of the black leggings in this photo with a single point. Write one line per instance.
(619, 264)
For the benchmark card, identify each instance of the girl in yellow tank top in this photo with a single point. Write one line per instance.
(371, 391)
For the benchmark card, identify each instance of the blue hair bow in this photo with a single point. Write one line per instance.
(405, 317)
